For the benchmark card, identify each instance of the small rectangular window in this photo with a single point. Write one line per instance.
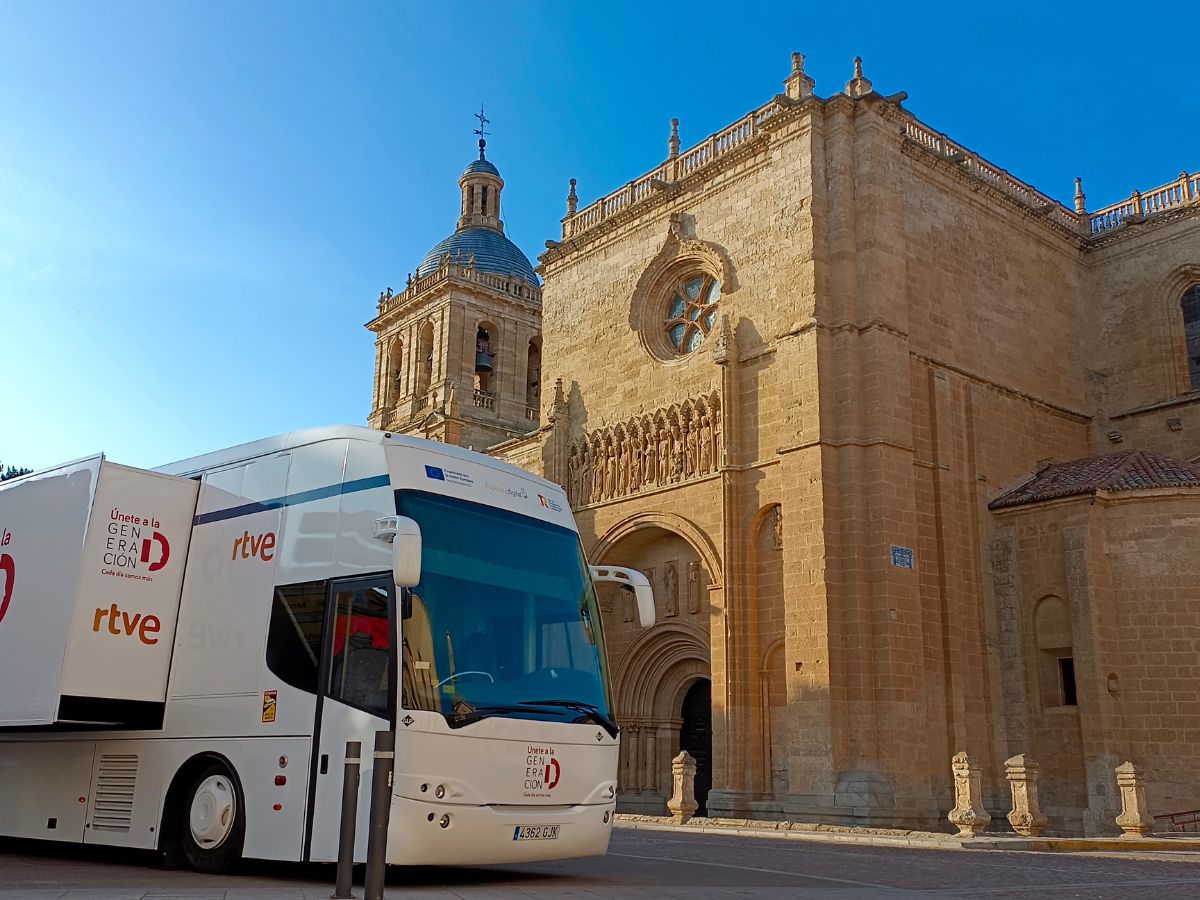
(295, 634)
(1066, 675)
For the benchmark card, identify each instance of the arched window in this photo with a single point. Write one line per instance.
(533, 379)
(486, 350)
(394, 375)
(1191, 330)
(425, 358)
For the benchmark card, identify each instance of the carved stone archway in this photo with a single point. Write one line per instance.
(653, 670)
(653, 676)
(685, 528)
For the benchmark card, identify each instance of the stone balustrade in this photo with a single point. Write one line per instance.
(452, 269)
(1016, 189)
(720, 144)
(1183, 191)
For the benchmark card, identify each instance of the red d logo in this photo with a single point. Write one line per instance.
(553, 773)
(9, 568)
(164, 555)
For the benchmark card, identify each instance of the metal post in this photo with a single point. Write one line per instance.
(381, 809)
(343, 888)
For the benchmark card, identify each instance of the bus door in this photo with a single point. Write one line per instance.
(357, 699)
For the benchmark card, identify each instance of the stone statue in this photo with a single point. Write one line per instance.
(693, 587)
(778, 527)
(631, 600)
(610, 472)
(718, 456)
(664, 455)
(651, 475)
(706, 436)
(690, 451)
(671, 589)
(573, 477)
(635, 463)
(676, 454)
(585, 476)
(623, 468)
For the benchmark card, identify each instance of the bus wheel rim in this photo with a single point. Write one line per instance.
(214, 808)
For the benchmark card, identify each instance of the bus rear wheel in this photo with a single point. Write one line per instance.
(212, 824)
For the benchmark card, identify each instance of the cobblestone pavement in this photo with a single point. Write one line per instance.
(640, 864)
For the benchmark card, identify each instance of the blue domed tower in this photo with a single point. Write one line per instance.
(458, 351)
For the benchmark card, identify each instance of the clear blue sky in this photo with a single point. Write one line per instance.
(200, 202)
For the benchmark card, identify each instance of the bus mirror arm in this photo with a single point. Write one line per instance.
(405, 536)
(630, 580)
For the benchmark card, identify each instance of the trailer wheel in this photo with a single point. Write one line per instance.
(212, 824)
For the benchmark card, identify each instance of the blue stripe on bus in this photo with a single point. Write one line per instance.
(333, 490)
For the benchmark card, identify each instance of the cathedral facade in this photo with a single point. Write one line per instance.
(909, 451)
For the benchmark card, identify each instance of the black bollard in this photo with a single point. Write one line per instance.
(343, 888)
(381, 811)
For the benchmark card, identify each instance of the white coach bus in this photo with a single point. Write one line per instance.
(184, 654)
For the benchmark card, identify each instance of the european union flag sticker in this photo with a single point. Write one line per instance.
(435, 472)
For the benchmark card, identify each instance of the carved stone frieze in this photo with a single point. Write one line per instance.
(669, 446)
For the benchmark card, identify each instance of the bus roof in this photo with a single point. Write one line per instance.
(292, 439)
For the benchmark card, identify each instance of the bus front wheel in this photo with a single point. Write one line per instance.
(212, 823)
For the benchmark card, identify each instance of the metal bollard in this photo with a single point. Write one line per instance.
(381, 811)
(343, 887)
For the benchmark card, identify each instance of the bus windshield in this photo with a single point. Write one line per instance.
(504, 621)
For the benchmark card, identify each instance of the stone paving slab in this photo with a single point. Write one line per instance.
(895, 837)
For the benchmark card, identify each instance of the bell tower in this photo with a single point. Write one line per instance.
(458, 351)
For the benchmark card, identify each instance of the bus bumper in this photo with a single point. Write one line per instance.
(486, 835)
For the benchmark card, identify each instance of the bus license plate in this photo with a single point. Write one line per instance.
(536, 832)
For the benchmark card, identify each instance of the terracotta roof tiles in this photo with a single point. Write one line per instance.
(1130, 470)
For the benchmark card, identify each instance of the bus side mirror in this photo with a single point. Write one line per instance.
(405, 535)
(630, 580)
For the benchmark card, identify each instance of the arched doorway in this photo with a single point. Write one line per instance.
(695, 736)
(654, 669)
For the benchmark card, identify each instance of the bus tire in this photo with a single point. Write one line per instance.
(211, 825)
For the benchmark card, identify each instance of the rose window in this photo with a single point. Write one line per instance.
(692, 312)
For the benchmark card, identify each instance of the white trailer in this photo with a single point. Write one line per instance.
(184, 654)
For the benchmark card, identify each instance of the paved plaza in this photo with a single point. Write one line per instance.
(640, 864)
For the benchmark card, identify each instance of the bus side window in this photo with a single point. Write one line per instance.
(295, 634)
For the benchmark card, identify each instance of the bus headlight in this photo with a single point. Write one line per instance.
(444, 821)
(440, 793)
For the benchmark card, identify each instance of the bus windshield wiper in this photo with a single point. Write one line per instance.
(465, 713)
(589, 711)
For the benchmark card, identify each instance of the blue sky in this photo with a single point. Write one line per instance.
(200, 202)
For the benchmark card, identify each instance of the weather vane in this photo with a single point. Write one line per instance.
(483, 121)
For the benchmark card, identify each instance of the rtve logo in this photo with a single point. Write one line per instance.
(256, 545)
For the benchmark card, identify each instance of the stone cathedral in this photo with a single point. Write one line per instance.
(909, 450)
